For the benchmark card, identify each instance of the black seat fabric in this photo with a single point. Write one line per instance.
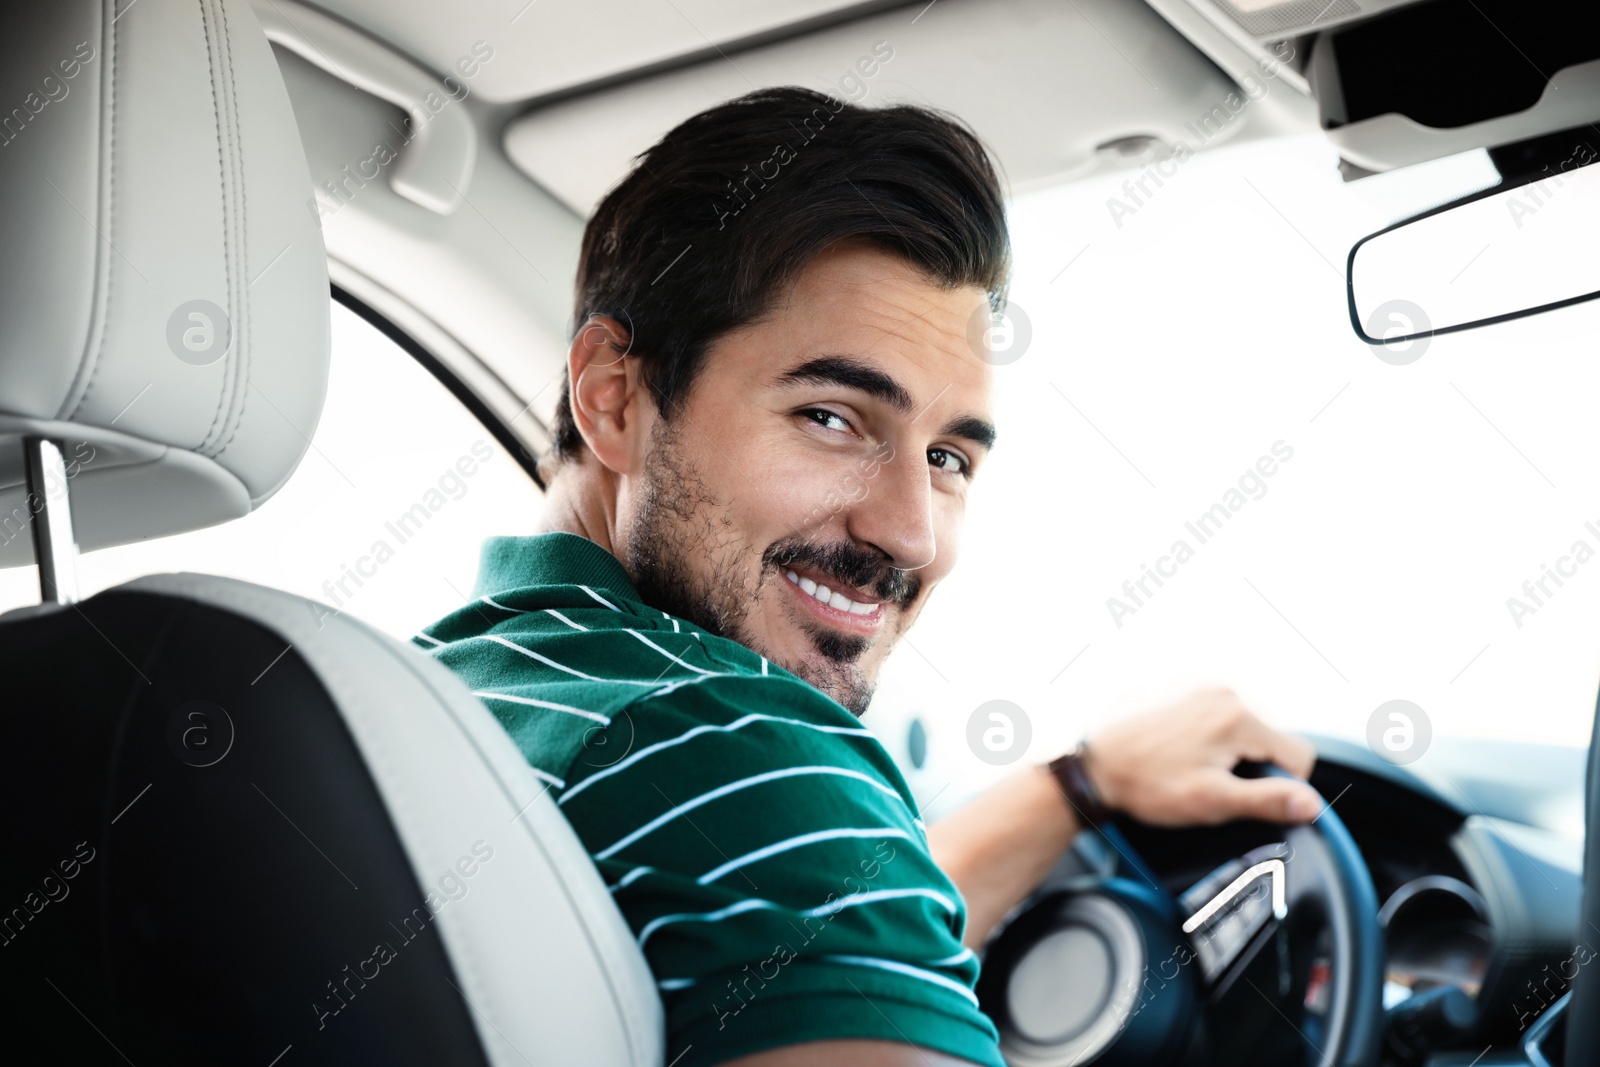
(198, 866)
(240, 827)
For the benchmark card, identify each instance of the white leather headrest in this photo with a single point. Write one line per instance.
(163, 284)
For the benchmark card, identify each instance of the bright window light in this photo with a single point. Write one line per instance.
(1416, 537)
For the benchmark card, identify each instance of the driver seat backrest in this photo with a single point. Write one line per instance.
(240, 827)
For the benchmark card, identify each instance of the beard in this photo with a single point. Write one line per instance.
(679, 520)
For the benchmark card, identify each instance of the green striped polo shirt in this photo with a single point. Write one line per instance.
(760, 842)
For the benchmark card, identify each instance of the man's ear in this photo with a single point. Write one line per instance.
(608, 401)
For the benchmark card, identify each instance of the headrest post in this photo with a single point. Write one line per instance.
(54, 547)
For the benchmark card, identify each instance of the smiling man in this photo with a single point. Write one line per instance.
(771, 420)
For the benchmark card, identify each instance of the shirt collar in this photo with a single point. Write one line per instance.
(549, 559)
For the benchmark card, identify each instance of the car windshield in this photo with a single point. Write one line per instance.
(1362, 525)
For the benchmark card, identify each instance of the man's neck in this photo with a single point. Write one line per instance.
(580, 502)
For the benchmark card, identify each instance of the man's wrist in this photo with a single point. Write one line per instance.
(1071, 772)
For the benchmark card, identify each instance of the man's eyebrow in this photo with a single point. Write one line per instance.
(978, 431)
(852, 374)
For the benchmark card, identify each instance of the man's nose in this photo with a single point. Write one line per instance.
(895, 514)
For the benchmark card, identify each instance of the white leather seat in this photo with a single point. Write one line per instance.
(152, 172)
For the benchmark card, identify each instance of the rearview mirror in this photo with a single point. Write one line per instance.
(1493, 256)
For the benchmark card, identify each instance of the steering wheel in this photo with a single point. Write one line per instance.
(1275, 957)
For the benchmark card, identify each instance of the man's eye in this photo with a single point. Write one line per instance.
(826, 418)
(948, 461)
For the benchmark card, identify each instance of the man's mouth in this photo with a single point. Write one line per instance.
(837, 603)
(843, 591)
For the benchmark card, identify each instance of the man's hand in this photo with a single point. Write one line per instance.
(1169, 767)
(1174, 766)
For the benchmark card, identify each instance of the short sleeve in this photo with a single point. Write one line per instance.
(768, 857)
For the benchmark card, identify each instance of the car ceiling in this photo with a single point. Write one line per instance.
(1044, 83)
(551, 47)
(472, 250)
(573, 91)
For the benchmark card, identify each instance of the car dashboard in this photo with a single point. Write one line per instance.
(1476, 857)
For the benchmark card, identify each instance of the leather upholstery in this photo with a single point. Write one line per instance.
(350, 793)
(205, 870)
(542, 954)
(149, 160)
(223, 909)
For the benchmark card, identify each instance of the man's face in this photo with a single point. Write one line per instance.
(807, 496)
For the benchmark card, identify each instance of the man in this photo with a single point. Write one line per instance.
(772, 307)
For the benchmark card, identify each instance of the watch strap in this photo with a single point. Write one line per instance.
(1073, 779)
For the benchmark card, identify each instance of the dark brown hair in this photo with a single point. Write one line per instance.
(735, 202)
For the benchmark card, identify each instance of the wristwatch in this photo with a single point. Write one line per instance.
(1073, 779)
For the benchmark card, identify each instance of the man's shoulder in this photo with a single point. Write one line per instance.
(724, 731)
(582, 677)
(743, 821)
(567, 633)
(746, 827)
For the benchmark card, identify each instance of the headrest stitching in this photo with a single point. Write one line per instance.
(218, 109)
(241, 336)
(94, 350)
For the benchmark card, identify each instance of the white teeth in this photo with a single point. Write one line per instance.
(837, 601)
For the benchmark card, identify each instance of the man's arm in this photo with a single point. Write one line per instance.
(1170, 767)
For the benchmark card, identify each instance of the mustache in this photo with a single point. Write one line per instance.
(850, 565)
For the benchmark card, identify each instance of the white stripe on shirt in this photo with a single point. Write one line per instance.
(907, 969)
(600, 598)
(738, 908)
(563, 618)
(690, 734)
(547, 661)
(533, 702)
(673, 686)
(732, 787)
(546, 776)
(631, 877)
(876, 895)
(950, 961)
(760, 904)
(798, 841)
(669, 655)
